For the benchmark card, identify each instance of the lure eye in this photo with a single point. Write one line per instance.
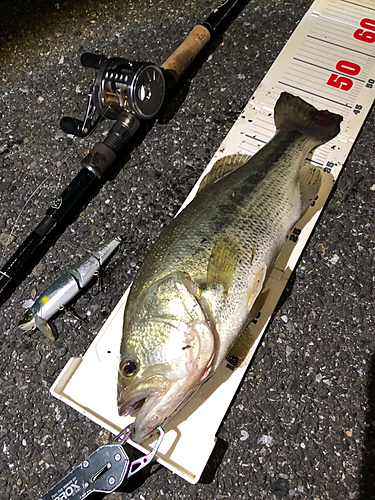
(27, 317)
(128, 367)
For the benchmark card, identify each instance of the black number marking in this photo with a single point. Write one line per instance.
(294, 236)
(329, 167)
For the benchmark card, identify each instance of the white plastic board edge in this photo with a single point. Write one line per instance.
(88, 384)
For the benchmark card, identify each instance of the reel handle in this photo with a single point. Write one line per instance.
(73, 126)
(89, 60)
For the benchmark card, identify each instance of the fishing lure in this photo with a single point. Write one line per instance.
(65, 288)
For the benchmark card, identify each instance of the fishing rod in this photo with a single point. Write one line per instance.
(132, 93)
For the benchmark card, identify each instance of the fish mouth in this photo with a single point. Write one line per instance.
(134, 397)
(156, 400)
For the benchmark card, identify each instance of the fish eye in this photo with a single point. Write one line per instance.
(128, 367)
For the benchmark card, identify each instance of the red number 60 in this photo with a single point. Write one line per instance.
(363, 35)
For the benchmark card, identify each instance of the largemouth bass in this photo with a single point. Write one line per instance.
(195, 292)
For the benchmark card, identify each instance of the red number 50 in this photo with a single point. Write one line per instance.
(342, 82)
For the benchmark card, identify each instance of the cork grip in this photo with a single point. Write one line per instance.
(182, 57)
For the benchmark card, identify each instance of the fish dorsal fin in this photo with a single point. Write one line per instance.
(45, 328)
(223, 262)
(222, 167)
(310, 180)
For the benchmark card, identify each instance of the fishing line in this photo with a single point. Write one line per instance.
(56, 170)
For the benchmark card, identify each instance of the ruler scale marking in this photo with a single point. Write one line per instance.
(352, 45)
(351, 99)
(347, 48)
(338, 24)
(328, 94)
(327, 28)
(250, 149)
(330, 70)
(315, 162)
(316, 95)
(258, 133)
(334, 33)
(256, 139)
(342, 22)
(344, 19)
(344, 11)
(268, 121)
(271, 131)
(343, 4)
(348, 8)
(358, 5)
(365, 62)
(341, 46)
(316, 77)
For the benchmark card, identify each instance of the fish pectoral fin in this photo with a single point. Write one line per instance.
(223, 261)
(310, 180)
(45, 328)
(222, 167)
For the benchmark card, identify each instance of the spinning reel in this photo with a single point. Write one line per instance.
(126, 91)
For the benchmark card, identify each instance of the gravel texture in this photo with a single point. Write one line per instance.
(302, 423)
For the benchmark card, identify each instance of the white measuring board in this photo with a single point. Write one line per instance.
(330, 62)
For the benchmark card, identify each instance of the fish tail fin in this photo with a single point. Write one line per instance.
(294, 113)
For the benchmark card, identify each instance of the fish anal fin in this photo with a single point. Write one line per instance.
(222, 167)
(310, 180)
(45, 328)
(258, 305)
(223, 262)
(255, 290)
(240, 349)
(245, 341)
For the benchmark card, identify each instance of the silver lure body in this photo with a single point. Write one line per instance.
(65, 288)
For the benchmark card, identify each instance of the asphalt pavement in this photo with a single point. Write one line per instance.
(302, 423)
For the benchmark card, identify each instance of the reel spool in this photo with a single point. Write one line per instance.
(122, 85)
(129, 91)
